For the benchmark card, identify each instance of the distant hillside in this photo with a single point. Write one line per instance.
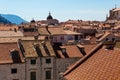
(4, 21)
(13, 18)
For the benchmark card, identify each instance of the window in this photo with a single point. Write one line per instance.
(113, 39)
(48, 74)
(48, 61)
(33, 76)
(14, 70)
(33, 61)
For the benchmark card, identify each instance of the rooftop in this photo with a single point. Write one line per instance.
(104, 36)
(116, 9)
(99, 64)
(8, 28)
(71, 51)
(37, 48)
(55, 31)
(15, 39)
(10, 34)
(5, 55)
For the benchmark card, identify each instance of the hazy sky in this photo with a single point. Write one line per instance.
(60, 9)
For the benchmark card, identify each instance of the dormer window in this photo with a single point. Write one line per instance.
(107, 39)
(63, 50)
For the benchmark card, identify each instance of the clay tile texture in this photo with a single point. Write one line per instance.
(102, 65)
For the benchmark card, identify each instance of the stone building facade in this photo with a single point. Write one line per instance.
(114, 14)
(12, 71)
(37, 60)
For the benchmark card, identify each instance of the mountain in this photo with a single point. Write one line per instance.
(3, 20)
(13, 18)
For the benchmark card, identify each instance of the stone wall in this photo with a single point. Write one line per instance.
(5, 71)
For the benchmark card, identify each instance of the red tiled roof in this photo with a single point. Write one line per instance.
(43, 31)
(44, 48)
(15, 39)
(100, 65)
(8, 28)
(52, 30)
(71, 51)
(11, 34)
(56, 31)
(5, 49)
(104, 36)
(88, 47)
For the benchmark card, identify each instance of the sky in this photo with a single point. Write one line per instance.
(62, 10)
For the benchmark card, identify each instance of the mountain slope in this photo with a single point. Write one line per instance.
(4, 21)
(13, 18)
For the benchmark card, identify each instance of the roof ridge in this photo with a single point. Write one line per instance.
(104, 36)
(79, 62)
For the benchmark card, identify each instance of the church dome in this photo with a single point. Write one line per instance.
(49, 16)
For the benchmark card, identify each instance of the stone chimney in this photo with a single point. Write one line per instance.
(36, 38)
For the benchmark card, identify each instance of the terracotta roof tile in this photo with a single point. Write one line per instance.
(8, 28)
(37, 48)
(56, 31)
(43, 31)
(88, 47)
(10, 34)
(71, 51)
(68, 32)
(102, 65)
(15, 39)
(5, 49)
(104, 36)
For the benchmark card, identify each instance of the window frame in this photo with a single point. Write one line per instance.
(33, 61)
(48, 61)
(33, 75)
(14, 71)
(48, 75)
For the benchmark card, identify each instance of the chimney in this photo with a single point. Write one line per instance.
(36, 38)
